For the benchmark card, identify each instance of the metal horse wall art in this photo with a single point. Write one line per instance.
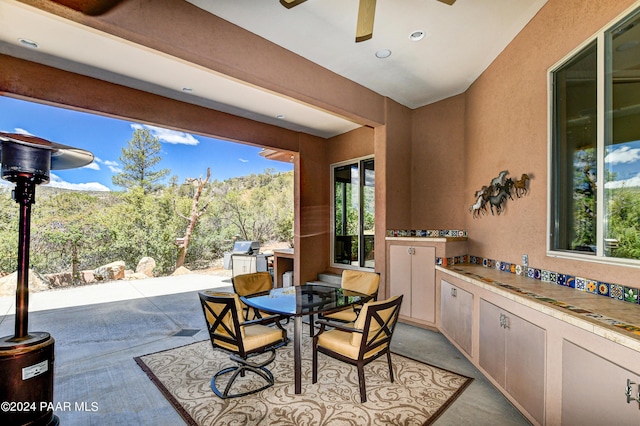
(497, 192)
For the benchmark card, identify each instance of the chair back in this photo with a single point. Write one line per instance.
(255, 282)
(361, 281)
(378, 321)
(221, 311)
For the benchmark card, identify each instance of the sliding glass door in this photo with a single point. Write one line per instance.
(353, 213)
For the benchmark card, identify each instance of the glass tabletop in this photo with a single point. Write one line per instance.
(307, 299)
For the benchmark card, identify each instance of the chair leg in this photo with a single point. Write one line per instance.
(363, 390)
(260, 371)
(314, 367)
(390, 366)
(311, 326)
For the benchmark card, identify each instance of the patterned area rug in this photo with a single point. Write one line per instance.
(420, 393)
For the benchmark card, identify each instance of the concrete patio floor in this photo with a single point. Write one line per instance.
(99, 329)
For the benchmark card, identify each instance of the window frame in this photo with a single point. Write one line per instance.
(360, 161)
(602, 44)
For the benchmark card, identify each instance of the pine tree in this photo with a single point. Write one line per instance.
(139, 158)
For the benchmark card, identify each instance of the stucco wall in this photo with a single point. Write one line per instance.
(438, 165)
(397, 151)
(311, 216)
(506, 128)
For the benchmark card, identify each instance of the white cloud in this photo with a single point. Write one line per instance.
(22, 131)
(624, 154)
(93, 166)
(112, 165)
(243, 160)
(626, 183)
(56, 182)
(168, 136)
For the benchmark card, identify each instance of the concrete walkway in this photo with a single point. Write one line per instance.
(99, 329)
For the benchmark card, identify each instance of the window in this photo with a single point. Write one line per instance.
(595, 148)
(353, 202)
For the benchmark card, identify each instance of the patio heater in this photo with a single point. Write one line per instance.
(26, 358)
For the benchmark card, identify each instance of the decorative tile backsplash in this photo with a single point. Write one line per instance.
(430, 233)
(615, 291)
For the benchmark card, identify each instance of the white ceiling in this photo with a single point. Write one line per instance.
(461, 41)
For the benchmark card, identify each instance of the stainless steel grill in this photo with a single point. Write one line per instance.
(245, 258)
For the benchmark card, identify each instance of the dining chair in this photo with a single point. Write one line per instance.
(358, 281)
(361, 342)
(248, 284)
(229, 332)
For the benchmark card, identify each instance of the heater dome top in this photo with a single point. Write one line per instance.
(62, 156)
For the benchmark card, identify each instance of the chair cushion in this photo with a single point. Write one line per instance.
(257, 335)
(346, 315)
(360, 281)
(340, 342)
(228, 319)
(374, 326)
(253, 283)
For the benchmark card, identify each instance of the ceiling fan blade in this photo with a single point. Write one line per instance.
(290, 3)
(449, 2)
(89, 7)
(366, 13)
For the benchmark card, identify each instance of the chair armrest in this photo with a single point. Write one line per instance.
(339, 325)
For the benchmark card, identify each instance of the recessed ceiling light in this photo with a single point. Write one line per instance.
(187, 89)
(280, 116)
(383, 53)
(416, 35)
(29, 43)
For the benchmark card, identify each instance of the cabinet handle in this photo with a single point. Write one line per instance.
(411, 250)
(454, 292)
(504, 321)
(628, 391)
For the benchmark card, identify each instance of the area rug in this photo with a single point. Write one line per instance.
(419, 395)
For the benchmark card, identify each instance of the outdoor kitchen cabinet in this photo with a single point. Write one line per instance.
(412, 273)
(456, 314)
(595, 389)
(512, 351)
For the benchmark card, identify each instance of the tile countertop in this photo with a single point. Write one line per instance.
(612, 319)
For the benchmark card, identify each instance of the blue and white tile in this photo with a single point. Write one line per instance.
(616, 291)
(544, 276)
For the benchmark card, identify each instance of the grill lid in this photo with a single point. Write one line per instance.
(246, 247)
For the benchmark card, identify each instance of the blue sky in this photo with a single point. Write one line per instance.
(624, 160)
(186, 155)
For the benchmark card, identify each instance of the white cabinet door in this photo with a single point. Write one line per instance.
(423, 284)
(456, 314)
(512, 351)
(492, 341)
(525, 364)
(400, 276)
(594, 389)
(412, 273)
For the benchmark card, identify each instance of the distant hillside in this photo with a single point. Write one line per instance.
(76, 230)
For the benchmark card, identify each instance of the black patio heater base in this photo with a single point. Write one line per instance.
(26, 359)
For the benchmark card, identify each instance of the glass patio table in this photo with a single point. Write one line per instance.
(306, 299)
